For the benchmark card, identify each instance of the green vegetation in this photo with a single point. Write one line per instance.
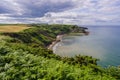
(24, 56)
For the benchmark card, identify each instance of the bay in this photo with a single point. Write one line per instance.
(103, 43)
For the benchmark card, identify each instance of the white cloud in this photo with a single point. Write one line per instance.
(61, 11)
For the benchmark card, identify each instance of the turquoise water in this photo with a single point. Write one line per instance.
(103, 43)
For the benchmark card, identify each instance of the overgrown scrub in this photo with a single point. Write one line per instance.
(20, 65)
(38, 51)
(113, 71)
(81, 60)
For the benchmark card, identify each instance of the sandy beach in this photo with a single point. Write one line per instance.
(58, 39)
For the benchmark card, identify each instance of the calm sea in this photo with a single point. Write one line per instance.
(103, 43)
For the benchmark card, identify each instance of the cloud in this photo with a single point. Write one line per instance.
(60, 11)
(35, 8)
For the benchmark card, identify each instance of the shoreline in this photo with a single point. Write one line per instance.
(58, 39)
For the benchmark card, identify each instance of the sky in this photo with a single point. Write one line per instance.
(79, 12)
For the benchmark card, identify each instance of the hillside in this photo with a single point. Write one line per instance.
(24, 55)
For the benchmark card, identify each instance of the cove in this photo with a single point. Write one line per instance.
(103, 43)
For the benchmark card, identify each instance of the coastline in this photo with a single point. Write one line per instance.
(58, 39)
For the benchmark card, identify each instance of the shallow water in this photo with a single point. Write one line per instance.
(103, 43)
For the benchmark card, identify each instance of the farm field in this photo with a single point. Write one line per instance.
(13, 28)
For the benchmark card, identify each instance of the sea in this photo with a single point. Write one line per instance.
(103, 43)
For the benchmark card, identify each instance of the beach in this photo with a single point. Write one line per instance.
(58, 39)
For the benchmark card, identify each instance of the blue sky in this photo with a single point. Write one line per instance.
(81, 12)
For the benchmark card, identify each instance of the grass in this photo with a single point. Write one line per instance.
(1, 37)
(13, 28)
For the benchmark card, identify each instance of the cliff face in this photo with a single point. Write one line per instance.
(43, 35)
(78, 29)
